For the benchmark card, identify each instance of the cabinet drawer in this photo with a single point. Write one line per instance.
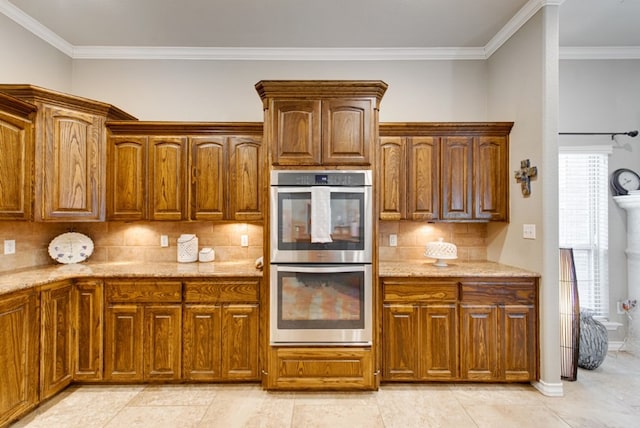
(498, 293)
(423, 291)
(144, 291)
(221, 291)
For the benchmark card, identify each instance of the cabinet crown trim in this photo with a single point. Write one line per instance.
(320, 88)
(184, 128)
(396, 129)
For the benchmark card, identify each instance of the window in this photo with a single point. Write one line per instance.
(583, 192)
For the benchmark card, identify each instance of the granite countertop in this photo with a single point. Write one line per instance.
(18, 280)
(423, 268)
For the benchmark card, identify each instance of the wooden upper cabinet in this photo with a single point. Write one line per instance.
(245, 178)
(127, 178)
(490, 173)
(167, 179)
(347, 131)
(17, 149)
(321, 122)
(456, 174)
(455, 171)
(185, 171)
(296, 137)
(208, 176)
(70, 153)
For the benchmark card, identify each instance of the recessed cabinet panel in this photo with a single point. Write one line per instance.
(202, 359)
(162, 342)
(16, 147)
(296, 132)
(400, 338)
(240, 342)
(392, 178)
(73, 164)
(491, 189)
(167, 178)
(245, 178)
(88, 311)
(346, 131)
(456, 178)
(123, 343)
(519, 342)
(208, 165)
(439, 337)
(424, 178)
(479, 344)
(126, 178)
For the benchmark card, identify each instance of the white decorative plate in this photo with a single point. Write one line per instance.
(70, 247)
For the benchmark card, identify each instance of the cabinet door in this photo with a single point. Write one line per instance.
(490, 177)
(19, 333)
(88, 309)
(479, 348)
(295, 131)
(347, 130)
(127, 178)
(72, 162)
(162, 342)
(400, 342)
(240, 342)
(519, 342)
(208, 178)
(16, 147)
(167, 179)
(424, 178)
(245, 178)
(456, 178)
(202, 342)
(392, 178)
(439, 341)
(56, 355)
(123, 343)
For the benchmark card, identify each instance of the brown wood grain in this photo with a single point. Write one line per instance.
(127, 178)
(222, 291)
(88, 310)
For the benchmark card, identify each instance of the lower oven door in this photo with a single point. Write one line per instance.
(321, 305)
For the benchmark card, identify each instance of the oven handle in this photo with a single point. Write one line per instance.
(321, 268)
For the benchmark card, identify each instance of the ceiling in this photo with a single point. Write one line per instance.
(460, 29)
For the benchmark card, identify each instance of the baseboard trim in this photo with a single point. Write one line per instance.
(615, 346)
(549, 389)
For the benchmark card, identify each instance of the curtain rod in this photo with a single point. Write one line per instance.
(613, 134)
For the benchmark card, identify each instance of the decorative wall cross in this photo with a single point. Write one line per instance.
(524, 176)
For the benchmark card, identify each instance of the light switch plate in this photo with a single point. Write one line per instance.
(164, 241)
(529, 231)
(393, 240)
(244, 240)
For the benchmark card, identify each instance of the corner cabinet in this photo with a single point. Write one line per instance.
(454, 171)
(70, 153)
(312, 123)
(184, 171)
(460, 329)
(17, 149)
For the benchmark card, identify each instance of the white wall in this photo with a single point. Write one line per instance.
(523, 87)
(604, 96)
(28, 59)
(224, 90)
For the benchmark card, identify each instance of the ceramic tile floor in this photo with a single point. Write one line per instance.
(606, 397)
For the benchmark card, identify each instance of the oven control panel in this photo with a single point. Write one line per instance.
(321, 178)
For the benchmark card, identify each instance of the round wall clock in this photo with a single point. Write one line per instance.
(624, 180)
(71, 247)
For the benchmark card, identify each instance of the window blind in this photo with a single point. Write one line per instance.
(583, 215)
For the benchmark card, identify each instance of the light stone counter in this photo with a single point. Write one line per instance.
(425, 268)
(18, 280)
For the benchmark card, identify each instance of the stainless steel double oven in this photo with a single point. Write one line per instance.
(321, 251)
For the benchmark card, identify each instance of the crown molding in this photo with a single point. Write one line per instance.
(35, 27)
(277, 54)
(600, 52)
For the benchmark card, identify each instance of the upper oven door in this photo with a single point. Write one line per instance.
(350, 226)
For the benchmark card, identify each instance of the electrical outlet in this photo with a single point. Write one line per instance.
(164, 241)
(244, 240)
(9, 246)
(529, 231)
(393, 240)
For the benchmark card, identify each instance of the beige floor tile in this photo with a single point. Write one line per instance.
(492, 416)
(337, 416)
(175, 395)
(158, 417)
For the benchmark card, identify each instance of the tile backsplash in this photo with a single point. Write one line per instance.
(140, 241)
(470, 238)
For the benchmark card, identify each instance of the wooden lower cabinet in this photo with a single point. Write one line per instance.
(326, 368)
(57, 328)
(19, 329)
(221, 324)
(470, 330)
(123, 343)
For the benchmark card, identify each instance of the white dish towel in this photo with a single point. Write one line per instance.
(321, 214)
